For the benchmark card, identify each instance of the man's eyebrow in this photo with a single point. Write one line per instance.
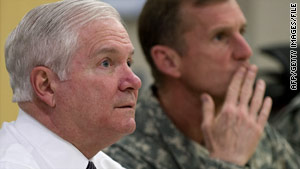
(111, 50)
(226, 28)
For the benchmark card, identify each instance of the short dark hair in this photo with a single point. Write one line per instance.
(161, 22)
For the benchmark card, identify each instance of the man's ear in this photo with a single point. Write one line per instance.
(43, 82)
(167, 60)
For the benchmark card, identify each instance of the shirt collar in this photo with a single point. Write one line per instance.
(57, 152)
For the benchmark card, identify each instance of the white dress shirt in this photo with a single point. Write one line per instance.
(27, 144)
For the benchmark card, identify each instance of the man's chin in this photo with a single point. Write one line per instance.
(129, 126)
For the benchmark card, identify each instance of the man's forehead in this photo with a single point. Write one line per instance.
(210, 5)
(100, 24)
(204, 2)
(212, 12)
(106, 28)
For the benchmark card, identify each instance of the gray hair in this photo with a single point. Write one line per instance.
(47, 36)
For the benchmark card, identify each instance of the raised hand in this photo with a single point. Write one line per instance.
(233, 133)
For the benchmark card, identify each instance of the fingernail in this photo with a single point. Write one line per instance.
(253, 68)
(242, 70)
(261, 82)
(204, 98)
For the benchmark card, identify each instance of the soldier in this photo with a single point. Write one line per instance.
(201, 111)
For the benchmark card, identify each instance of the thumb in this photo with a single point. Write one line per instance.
(208, 110)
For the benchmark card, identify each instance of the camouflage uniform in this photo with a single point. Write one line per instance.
(287, 122)
(158, 144)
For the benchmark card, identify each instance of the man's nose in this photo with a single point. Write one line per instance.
(129, 80)
(242, 50)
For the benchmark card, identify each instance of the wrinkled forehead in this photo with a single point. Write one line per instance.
(211, 11)
(106, 29)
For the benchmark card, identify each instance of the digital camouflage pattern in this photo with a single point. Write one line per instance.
(157, 144)
(287, 122)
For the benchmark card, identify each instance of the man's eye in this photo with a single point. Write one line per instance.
(129, 63)
(220, 36)
(106, 63)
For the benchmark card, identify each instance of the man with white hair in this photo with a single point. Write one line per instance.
(69, 65)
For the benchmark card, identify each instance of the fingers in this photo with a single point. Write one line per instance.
(240, 91)
(258, 96)
(208, 109)
(246, 91)
(265, 111)
(235, 85)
